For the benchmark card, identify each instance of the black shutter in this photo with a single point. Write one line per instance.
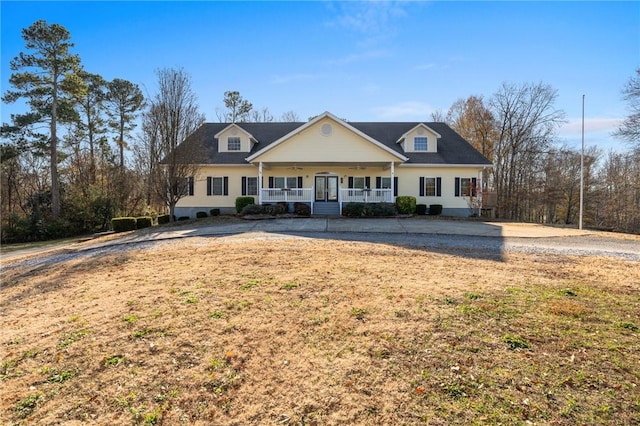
(350, 181)
(270, 181)
(226, 185)
(421, 186)
(209, 185)
(367, 182)
(378, 182)
(190, 185)
(474, 182)
(439, 187)
(457, 193)
(395, 186)
(244, 185)
(299, 181)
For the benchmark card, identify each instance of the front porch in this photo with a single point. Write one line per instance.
(309, 196)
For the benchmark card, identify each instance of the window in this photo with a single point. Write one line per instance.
(249, 185)
(285, 182)
(385, 183)
(184, 186)
(430, 187)
(190, 185)
(465, 187)
(420, 143)
(233, 143)
(217, 185)
(358, 182)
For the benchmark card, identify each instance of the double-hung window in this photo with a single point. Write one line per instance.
(465, 187)
(288, 182)
(420, 143)
(217, 185)
(249, 185)
(430, 186)
(233, 143)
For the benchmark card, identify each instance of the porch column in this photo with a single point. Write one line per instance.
(260, 183)
(393, 175)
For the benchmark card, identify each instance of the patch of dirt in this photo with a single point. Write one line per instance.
(310, 331)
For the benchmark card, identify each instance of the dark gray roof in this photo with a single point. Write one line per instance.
(452, 148)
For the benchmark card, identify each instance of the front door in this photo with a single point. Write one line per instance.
(326, 188)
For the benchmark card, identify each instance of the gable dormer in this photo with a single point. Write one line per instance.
(234, 138)
(421, 138)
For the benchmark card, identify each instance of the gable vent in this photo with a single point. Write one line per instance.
(326, 129)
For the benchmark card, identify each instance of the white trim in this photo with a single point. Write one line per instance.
(310, 123)
(404, 136)
(422, 165)
(217, 135)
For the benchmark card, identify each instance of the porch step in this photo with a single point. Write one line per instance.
(332, 209)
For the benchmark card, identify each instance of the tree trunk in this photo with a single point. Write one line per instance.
(55, 188)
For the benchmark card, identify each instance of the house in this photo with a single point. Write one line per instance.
(327, 162)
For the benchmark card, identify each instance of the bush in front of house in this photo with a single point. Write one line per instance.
(435, 209)
(122, 224)
(302, 209)
(241, 202)
(353, 210)
(214, 212)
(181, 218)
(421, 209)
(251, 209)
(276, 209)
(406, 204)
(163, 218)
(144, 222)
(368, 209)
(201, 215)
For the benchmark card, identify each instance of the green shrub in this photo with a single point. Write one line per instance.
(421, 209)
(214, 212)
(241, 202)
(406, 204)
(184, 218)
(163, 218)
(353, 209)
(201, 215)
(381, 209)
(302, 209)
(144, 222)
(435, 209)
(122, 224)
(276, 209)
(250, 209)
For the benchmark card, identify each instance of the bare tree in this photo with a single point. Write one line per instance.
(630, 128)
(172, 116)
(290, 117)
(261, 116)
(526, 124)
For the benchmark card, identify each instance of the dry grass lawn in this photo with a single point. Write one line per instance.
(303, 331)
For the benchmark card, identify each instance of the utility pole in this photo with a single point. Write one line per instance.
(582, 169)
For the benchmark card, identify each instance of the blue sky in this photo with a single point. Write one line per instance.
(363, 61)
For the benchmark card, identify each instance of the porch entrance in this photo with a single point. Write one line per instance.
(326, 195)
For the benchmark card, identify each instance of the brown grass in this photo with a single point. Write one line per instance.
(305, 331)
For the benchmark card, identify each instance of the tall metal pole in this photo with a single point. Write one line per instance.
(582, 169)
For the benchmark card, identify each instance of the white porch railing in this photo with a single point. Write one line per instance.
(366, 195)
(276, 195)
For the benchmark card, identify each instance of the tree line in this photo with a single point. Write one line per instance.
(72, 162)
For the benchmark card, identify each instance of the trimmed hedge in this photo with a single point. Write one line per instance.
(144, 222)
(214, 212)
(368, 209)
(241, 202)
(164, 218)
(435, 209)
(421, 209)
(201, 215)
(183, 218)
(406, 204)
(122, 224)
(250, 209)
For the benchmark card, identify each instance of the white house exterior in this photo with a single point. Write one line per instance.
(328, 162)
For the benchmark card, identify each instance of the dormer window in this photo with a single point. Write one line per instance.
(233, 143)
(420, 143)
